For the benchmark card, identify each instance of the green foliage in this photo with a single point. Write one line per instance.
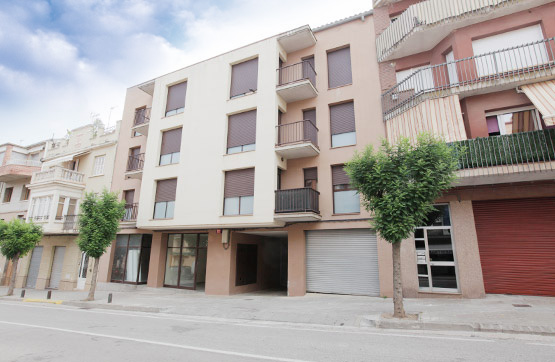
(17, 238)
(99, 222)
(399, 183)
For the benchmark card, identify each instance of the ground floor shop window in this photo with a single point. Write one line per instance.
(186, 261)
(435, 255)
(131, 258)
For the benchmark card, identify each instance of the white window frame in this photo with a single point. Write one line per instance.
(98, 167)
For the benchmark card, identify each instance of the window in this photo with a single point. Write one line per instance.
(176, 99)
(130, 207)
(339, 67)
(186, 260)
(1, 158)
(239, 192)
(40, 208)
(435, 256)
(25, 193)
(417, 79)
(512, 121)
(131, 258)
(452, 68)
(99, 165)
(241, 132)
(345, 199)
(8, 194)
(142, 115)
(60, 209)
(342, 122)
(244, 78)
(164, 202)
(72, 207)
(171, 146)
(311, 177)
(136, 160)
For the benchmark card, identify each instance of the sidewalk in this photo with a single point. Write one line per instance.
(495, 313)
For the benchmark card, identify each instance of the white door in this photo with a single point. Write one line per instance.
(82, 275)
(452, 68)
(342, 262)
(57, 264)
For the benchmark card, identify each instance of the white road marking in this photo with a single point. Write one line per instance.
(262, 324)
(165, 344)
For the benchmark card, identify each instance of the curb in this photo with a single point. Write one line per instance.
(129, 308)
(379, 322)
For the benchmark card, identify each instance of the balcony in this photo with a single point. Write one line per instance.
(135, 164)
(297, 82)
(58, 174)
(141, 121)
(17, 169)
(131, 211)
(71, 223)
(297, 39)
(485, 73)
(297, 205)
(423, 25)
(518, 157)
(297, 140)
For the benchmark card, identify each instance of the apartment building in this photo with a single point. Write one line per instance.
(232, 170)
(17, 164)
(71, 166)
(481, 74)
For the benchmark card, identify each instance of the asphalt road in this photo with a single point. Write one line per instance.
(38, 332)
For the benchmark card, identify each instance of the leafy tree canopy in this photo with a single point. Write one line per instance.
(17, 238)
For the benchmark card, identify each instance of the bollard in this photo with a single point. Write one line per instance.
(110, 298)
(23, 293)
(49, 294)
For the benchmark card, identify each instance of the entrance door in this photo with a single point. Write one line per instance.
(83, 265)
(186, 261)
(34, 267)
(57, 264)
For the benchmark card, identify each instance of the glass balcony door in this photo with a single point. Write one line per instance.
(186, 260)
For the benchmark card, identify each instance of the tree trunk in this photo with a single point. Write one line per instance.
(398, 309)
(14, 272)
(93, 281)
(5, 273)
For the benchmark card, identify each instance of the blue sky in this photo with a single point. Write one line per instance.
(64, 61)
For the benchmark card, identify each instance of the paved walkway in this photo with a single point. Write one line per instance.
(500, 313)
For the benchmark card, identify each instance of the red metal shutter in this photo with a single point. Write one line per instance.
(516, 239)
(241, 129)
(342, 118)
(171, 141)
(244, 77)
(176, 96)
(165, 190)
(239, 183)
(339, 176)
(310, 174)
(339, 67)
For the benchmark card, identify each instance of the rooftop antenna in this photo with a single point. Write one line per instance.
(110, 114)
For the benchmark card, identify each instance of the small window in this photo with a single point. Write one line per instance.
(25, 193)
(241, 132)
(346, 199)
(244, 78)
(164, 202)
(60, 209)
(342, 123)
(8, 194)
(99, 165)
(311, 177)
(339, 68)
(176, 99)
(239, 192)
(171, 146)
(509, 122)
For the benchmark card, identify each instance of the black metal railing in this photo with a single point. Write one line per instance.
(142, 115)
(136, 163)
(297, 72)
(131, 211)
(297, 132)
(533, 149)
(71, 223)
(516, 64)
(305, 199)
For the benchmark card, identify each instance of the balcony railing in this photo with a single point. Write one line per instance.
(297, 72)
(142, 116)
(520, 63)
(136, 163)
(30, 163)
(131, 211)
(305, 199)
(71, 223)
(39, 218)
(534, 150)
(58, 173)
(431, 13)
(297, 132)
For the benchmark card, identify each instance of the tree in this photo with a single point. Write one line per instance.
(399, 184)
(17, 239)
(98, 225)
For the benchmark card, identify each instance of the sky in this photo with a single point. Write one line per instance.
(64, 63)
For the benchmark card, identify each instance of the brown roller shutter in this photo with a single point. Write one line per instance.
(339, 67)
(310, 60)
(129, 196)
(310, 115)
(176, 96)
(244, 77)
(241, 129)
(171, 141)
(165, 190)
(339, 176)
(342, 118)
(310, 173)
(239, 183)
(517, 245)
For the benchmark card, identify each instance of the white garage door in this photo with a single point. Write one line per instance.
(342, 262)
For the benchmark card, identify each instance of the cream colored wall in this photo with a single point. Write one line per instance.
(86, 165)
(199, 198)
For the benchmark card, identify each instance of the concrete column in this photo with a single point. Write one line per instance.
(218, 266)
(296, 262)
(157, 265)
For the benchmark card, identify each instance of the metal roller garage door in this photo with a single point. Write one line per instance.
(57, 264)
(342, 262)
(516, 239)
(34, 267)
